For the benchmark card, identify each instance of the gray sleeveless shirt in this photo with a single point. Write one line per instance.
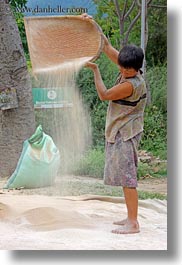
(127, 115)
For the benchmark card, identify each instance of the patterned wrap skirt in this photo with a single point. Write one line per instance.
(121, 161)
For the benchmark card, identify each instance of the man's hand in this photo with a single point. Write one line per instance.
(92, 66)
(86, 16)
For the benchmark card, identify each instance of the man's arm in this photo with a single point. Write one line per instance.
(110, 51)
(119, 91)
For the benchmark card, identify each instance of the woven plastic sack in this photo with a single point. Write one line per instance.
(38, 164)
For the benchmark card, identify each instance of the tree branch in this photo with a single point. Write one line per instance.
(148, 2)
(131, 26)
(130, 9)
(124, 9)
(138, 3)
(157, 6)
(117, 9)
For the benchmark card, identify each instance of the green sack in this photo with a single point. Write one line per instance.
(38, 164)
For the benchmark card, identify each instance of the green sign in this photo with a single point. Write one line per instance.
(46, 98)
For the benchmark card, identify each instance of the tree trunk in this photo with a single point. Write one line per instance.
(16, 124)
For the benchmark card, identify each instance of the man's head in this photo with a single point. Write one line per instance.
(131, 56)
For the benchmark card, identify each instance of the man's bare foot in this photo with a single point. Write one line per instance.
(127, 228)
(122, 222)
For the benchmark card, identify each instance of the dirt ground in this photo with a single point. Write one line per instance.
(78, 185)
(149, 184)
(156, 185)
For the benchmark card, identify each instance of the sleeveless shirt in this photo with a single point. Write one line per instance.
(127, 115)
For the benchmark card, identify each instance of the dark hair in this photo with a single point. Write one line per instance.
(131, 56)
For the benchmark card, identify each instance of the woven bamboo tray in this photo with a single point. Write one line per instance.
(53, 40)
